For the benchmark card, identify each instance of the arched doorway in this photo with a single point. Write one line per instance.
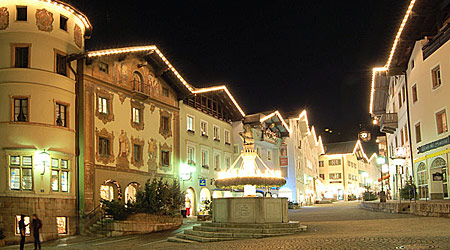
(438, 171)
(190, 202)
(205, 201)
(422, 181)
(131, 191)
(110, 190)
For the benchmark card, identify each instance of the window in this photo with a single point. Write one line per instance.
(27, 225)
(335, 176)
(422, 180)
(103, 105)
(61, 115)
(414, 93)
(106, 192)
(21, 13)
(21, 111)
(136, 115)
(190, 123)
(216, 132)
(436, 77)
(63, 22)
(104, 146)
(191, 155)
(399, 100)
(138, 83)
(21, 55)
(284, 172)
(441, 122)
(322, 176)
(137, 153)
(103, 67)
(165, 91)
(269, 155)
(165, 123)
(236, 149)
(412, 64)
(418, 133)
(60, 63)
(406, 133)
(205, 159)
(204, 128)
(227, 137)
(60, 175)
(21, 173)
(334, 162)
(227, 162)
(258, 151)
(61, 225)
(403, 93)
(165, 158)
(217, 162)
(402, 137)
(321, 164)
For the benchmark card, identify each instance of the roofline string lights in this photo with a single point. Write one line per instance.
(193, 90)
(279, 117)
(318, 141)
(392, 52)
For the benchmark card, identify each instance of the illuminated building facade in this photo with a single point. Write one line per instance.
(415, 73)
(303, 151)
(345, 170)
(38, 125)
(269, 132)
(206, 143)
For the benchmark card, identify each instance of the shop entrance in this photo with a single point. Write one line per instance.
(190, 202)
(205, 200)
(439, 176)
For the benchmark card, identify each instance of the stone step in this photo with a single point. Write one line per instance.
(208, 234)
(247, 230)
(200, 238)
(179, 240)
(235, 235)
(291, 224)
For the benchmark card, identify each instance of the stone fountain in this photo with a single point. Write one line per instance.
(248, 216)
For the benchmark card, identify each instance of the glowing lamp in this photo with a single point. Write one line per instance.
(385, 168)
(42, 161)
(381, 160)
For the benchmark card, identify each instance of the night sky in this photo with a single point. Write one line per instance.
(285, 55)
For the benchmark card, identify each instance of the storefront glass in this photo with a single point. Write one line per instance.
(422, 181)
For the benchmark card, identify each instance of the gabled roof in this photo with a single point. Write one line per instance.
(271, 117)
(348, 147)
(304, 126)
(158, 60)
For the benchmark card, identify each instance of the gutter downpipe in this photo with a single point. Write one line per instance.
(409, 131)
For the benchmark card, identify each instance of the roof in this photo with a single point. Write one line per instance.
(271, 117)
(155, 57)
(340, 147)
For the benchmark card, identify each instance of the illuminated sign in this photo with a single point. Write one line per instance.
(400, 152)
(202, 182)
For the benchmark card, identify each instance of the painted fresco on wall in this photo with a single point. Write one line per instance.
(78, 36)
(152, 154)
(4, 18)
(124, 150)
(44, 20)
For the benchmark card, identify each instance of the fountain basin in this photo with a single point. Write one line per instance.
(250, 210)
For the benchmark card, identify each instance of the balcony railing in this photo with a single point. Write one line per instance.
(141, 88)
(389, 122)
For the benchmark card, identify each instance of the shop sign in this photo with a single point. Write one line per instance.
(202, 182)
(400, 152)
(433, 145)
(283, 155)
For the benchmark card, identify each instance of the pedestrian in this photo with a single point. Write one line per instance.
(36, 224)
(22, 227)
(188, 206)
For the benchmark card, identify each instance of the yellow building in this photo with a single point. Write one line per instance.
(345, 170)
(37, 125)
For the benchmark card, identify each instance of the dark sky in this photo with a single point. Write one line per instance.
(286, 55)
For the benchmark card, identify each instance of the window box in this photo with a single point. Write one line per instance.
(204, 134)
(227, 143)
(216, 139)
(191, 131)
(205, 166)
(191, 163)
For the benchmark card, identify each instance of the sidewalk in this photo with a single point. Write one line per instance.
(431, 208)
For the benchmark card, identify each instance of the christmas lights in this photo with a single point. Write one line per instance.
(279, 117)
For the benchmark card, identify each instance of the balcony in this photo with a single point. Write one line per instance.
(140, 89)
(389, 123)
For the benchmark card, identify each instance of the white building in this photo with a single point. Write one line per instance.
(304, 149)
(417, 64)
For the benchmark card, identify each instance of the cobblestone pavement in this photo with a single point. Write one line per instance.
(341, 225)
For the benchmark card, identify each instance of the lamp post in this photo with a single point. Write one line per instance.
(381, 161)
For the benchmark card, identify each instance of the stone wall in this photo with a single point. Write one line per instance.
(391, 207)
(47, 210)
(431, 209)
(143, 223)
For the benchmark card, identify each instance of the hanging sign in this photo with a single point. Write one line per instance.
(433, 145)
(202, 182)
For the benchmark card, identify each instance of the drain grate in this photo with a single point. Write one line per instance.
(415, 247)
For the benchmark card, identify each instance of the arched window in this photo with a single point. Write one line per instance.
(131, 191)
(439, 173)
(138, 83)
(422, 180)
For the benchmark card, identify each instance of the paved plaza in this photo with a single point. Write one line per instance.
(342, 225)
